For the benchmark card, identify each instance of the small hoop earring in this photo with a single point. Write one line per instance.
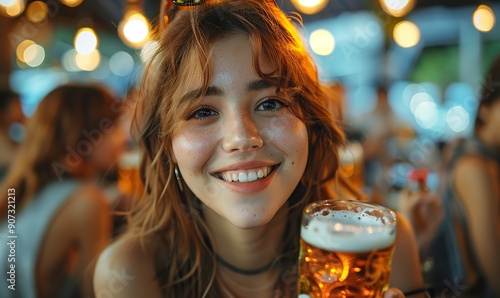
(179, 179)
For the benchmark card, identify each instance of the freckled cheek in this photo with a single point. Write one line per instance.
(289, 133)
(193, 148)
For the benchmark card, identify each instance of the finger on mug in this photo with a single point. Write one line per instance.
(393, 293)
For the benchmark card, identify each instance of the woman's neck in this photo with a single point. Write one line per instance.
(247, 249)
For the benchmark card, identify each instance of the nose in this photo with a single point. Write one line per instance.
(241, 134)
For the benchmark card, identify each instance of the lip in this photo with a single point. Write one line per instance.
(251, 187)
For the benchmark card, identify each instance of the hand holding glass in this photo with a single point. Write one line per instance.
(345, 249)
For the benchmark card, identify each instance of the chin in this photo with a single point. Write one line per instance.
(250, 220)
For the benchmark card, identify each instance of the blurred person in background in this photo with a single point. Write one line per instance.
(463, 258)
(385, 138)
(11, 127)
(62, 217)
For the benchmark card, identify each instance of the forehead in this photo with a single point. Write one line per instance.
(236, 54)
(229, 58)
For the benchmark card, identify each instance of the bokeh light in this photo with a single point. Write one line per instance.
(71, 3)
(85, 41)
(7, 3)
(37, 11)
(457, 118)
(406, 34)
(427, 114)
(88, 62)
(397, 8)
(121, 63)
(483, 18)
(68, 61)
(322, 42)
(417, 99)
(34, 55)
(13, 8)
(309, 6)
(21, 48)
(134, 29)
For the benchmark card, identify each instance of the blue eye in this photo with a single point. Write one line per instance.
(271, 104)
(202, 112)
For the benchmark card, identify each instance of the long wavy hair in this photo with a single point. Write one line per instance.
(56, 136)
(169, 221)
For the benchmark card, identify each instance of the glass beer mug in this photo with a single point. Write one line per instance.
(345, 249)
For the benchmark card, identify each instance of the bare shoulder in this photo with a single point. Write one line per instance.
(89, 198)
(474, 163)
(477, 177)
(124, 269)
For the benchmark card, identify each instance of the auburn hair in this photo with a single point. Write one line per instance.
(168, 221)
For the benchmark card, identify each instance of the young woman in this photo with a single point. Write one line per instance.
(50, 201)
(238, 138)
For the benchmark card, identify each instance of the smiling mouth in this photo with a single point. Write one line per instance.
(247, 175)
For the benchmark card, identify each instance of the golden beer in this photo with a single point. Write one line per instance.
(345, 249)
(129, 179)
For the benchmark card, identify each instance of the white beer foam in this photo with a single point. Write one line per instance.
(372, 234)
(130, 159)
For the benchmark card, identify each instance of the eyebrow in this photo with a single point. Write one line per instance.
(256, 85)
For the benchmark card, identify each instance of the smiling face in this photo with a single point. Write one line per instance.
(241, 150)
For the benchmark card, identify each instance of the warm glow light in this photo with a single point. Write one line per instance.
(34, 55)
(7, 3)
(15, 9)
(37, 12)
(88, 62)
(483, 18)
(322, 42)
(71, 3)
(21, 48)
(310, 6)
(397, 8)
(406, 34)
(134, 29)
(85, 41)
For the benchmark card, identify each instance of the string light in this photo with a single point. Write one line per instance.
(483, 18)
(406, 34)
(397, 8)
(310, 6)
(85, 41)
(134, 29)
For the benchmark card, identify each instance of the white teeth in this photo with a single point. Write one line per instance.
(242, 177)
(252, 176)
(245, 176)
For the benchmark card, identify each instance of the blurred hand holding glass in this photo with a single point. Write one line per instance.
(346, 249)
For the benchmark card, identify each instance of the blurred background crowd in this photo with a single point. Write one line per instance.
(409, 75)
